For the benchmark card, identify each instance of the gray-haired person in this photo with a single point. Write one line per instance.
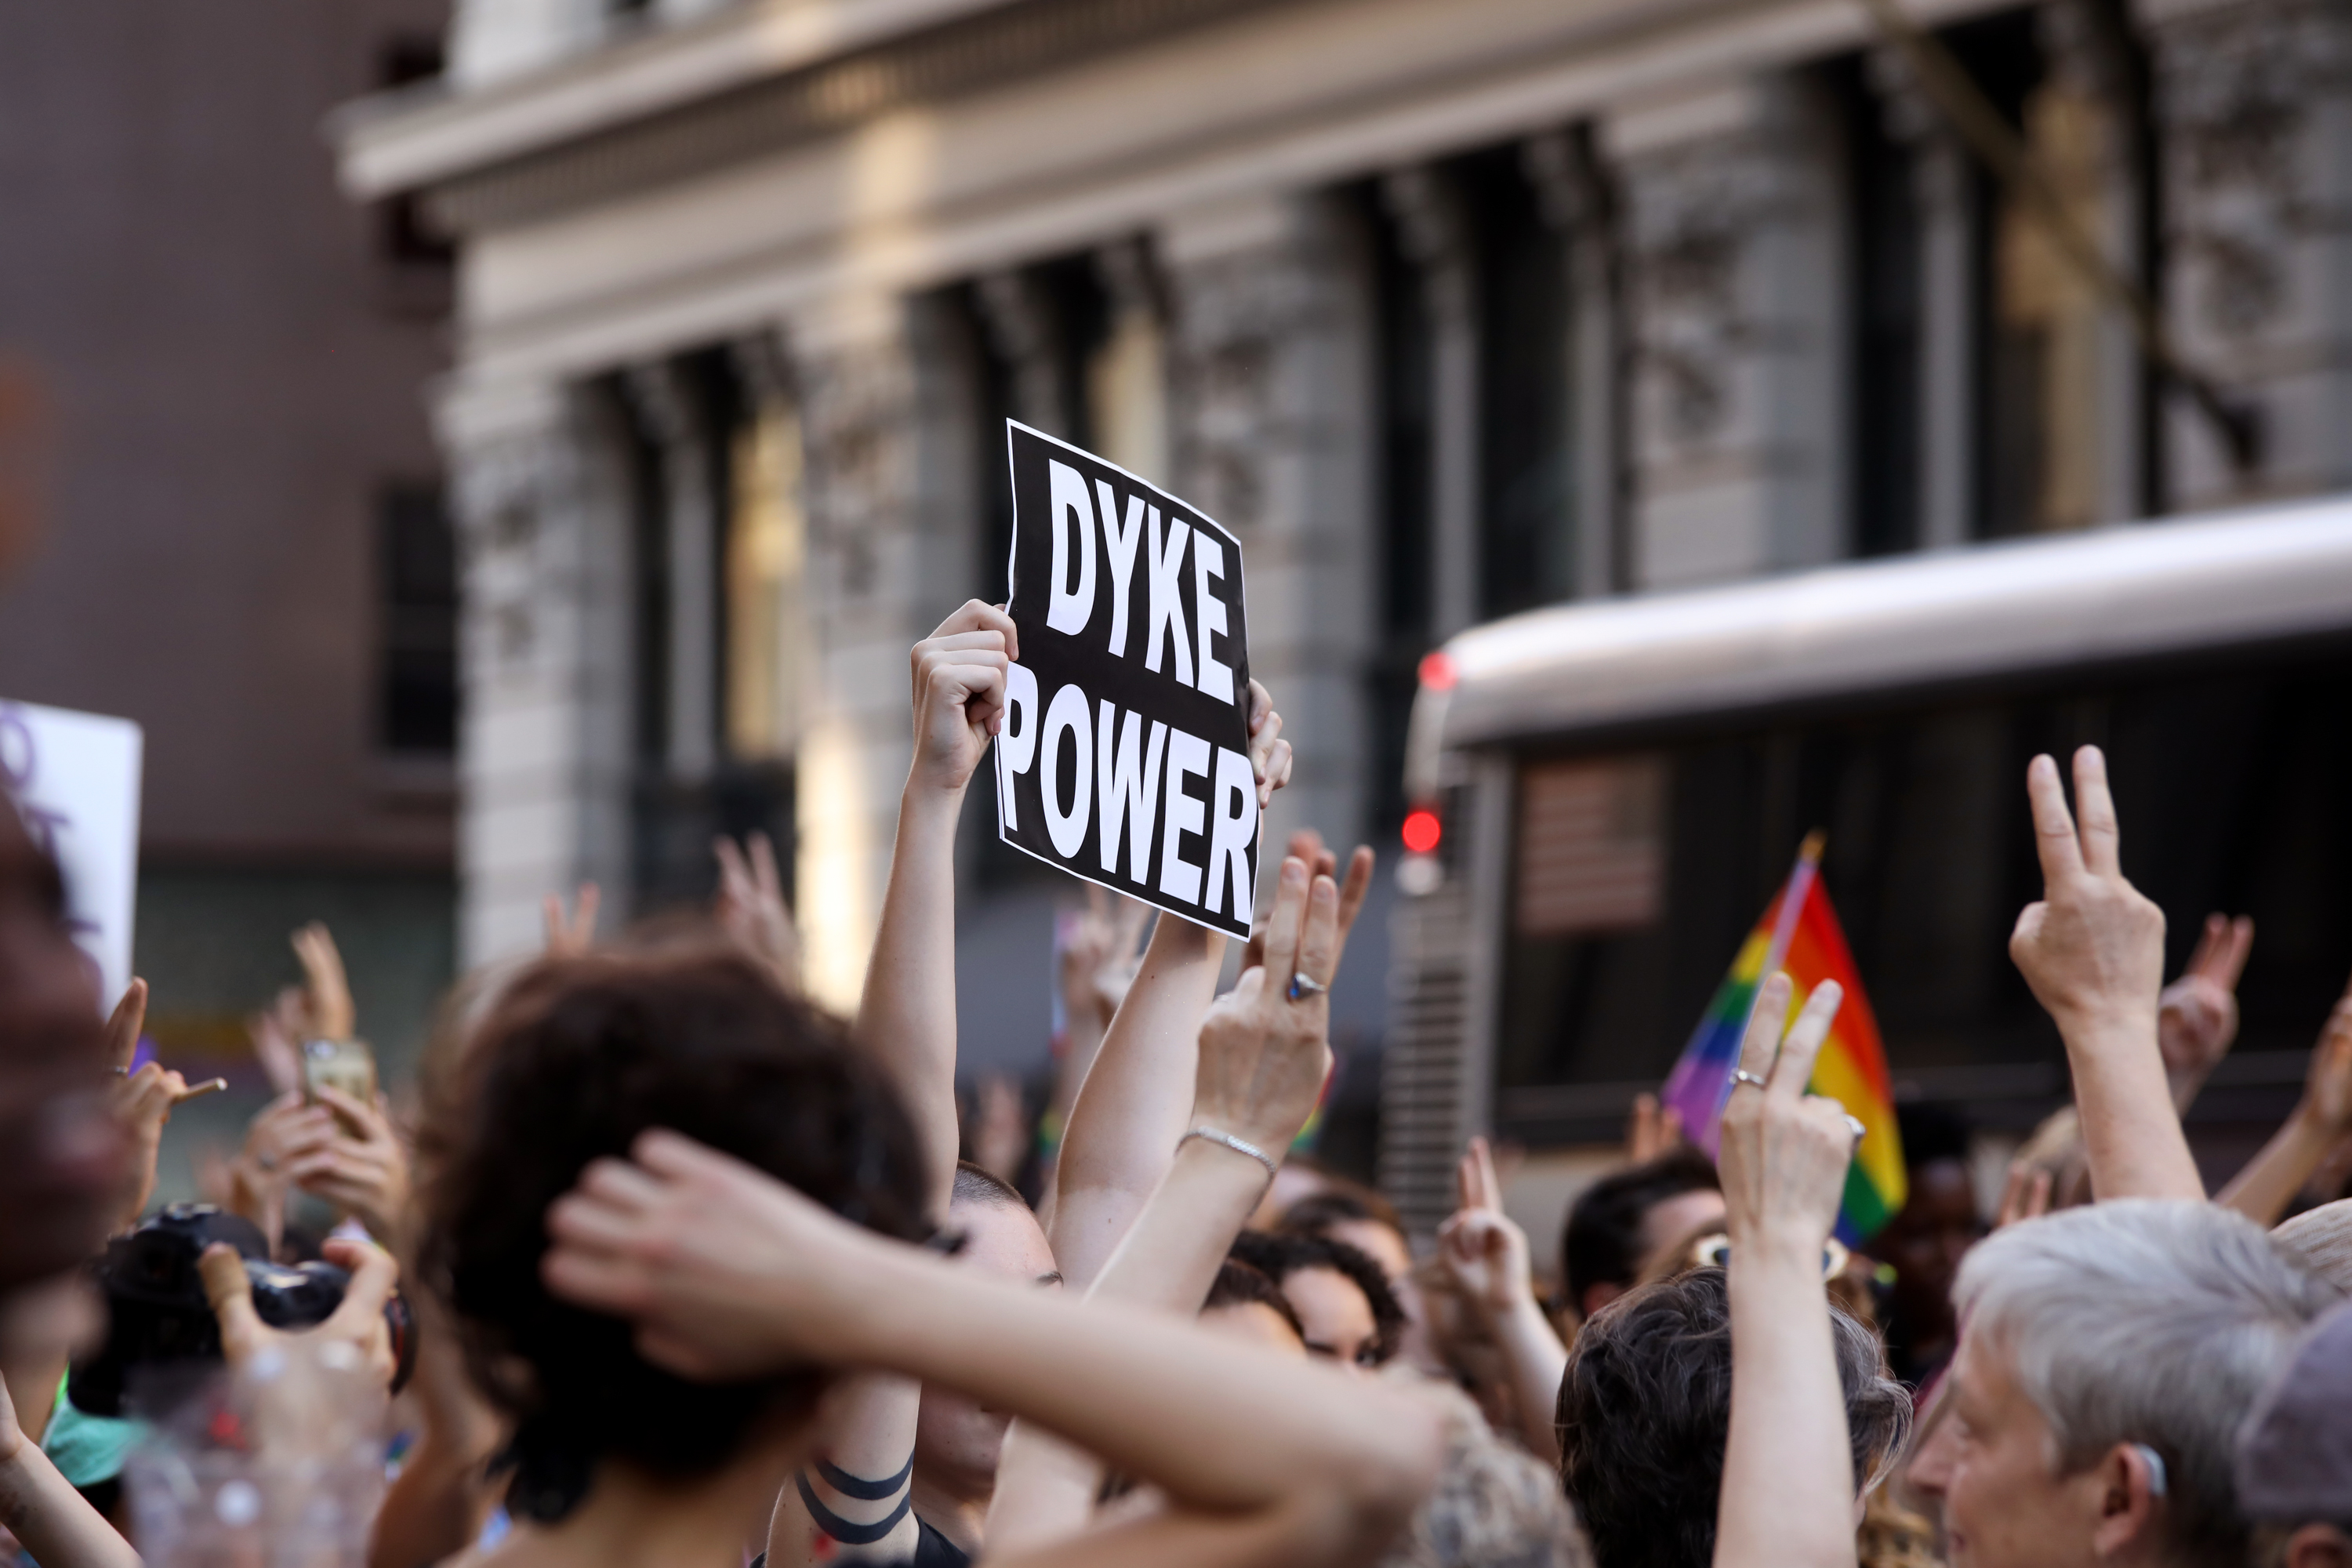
(2107, 1357)
(2295, 1455)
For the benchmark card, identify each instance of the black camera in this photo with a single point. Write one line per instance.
(158, 1316)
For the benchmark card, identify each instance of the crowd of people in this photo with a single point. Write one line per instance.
(668, 1265)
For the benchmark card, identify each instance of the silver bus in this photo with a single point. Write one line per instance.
(1607, 795)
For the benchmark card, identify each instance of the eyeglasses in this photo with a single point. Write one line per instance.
(1715, 1252)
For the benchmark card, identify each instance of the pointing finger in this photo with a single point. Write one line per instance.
(1283, 924)
(2054, 824)
(1794, 1069)
(2102, 838)
(123, 1025)
(2230, 955)
(230, 1294)
(1763, 1037)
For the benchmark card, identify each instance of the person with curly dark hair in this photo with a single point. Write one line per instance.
(670, 1210)
(579, 1057)
(1646, 1408)
(1344, 1308)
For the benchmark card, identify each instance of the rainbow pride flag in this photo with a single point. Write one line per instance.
(1800, 933)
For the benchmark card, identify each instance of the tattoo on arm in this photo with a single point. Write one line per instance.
(850, 1486)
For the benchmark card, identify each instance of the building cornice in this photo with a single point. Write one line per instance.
(669, 102)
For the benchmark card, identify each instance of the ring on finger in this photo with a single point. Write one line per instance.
(1860, 1131)
(1303, 985)
(1744, 1076)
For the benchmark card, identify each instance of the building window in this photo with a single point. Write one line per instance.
(720, 621)
(1881, 174)
(417, 556)
(1526, 357)
(768, 650)
(2062, 391)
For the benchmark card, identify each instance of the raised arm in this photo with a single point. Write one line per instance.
(1263, 1054)
(907, 1018)
(44, 1511)
(1485, 1252)
(908, 1021)
(1265, 1459)
(1132, 1106)
(1787, 1466)
(2093, 951)
(2323, 1116)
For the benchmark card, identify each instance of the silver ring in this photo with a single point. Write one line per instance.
(266, 1160)
(1860, 1131)
(1744, 1076)
(1303, 985)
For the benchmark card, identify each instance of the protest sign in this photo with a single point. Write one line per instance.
(1124, 757)
(74, 780)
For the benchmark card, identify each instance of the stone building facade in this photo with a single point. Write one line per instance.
(1448, 310)
(209, 362)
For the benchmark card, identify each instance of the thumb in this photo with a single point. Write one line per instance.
(374, 1273)
(231, 1295)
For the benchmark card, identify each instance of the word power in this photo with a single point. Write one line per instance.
(1124, 757)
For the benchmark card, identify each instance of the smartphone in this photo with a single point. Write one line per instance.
(345, 1065)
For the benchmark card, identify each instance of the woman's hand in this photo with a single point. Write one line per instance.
(958, 676)
(1269, 753)
(570, 932)
(1306, 845)
(726, 1271)
(751, 907)
(141, 1101)
(1482, 1249)
(1263, 1054)
(358, 1163)
(328, 1011)
(358, 1323)
(2197, 1015)
(1784, 1152)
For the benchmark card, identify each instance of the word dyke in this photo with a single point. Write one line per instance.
(1124, 757)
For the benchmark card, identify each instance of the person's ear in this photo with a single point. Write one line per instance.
(1596, 1296)
(2317, 1546)
(2131, 1483)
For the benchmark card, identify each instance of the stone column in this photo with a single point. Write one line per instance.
(1737, 275)
(1269, 373)
(541, 504)
(890, 550)
(1945, 185)
(2253, 115)
(1436, 231)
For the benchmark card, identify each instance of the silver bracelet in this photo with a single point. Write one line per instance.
(1238, 1145)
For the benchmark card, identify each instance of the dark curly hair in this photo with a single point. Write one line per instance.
(1646, 1408)
(1281, 1253)
(577, 1058)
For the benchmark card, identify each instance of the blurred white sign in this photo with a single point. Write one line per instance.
(74, 778)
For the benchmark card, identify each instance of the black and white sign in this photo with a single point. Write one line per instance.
(1124, 757)
(74, 780)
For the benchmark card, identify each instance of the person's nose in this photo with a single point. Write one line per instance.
(1930, 1470)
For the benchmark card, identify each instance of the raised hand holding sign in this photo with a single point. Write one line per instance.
(1124, 757)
